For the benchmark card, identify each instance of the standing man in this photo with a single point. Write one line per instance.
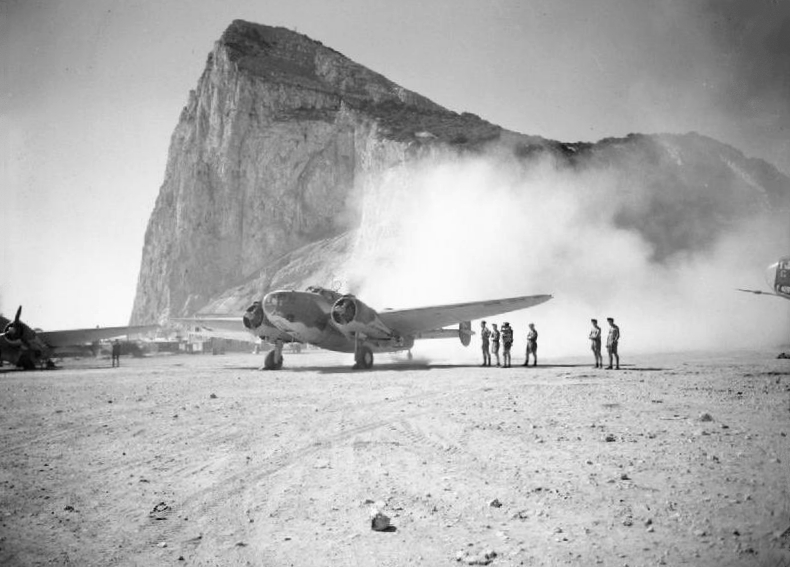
(611, 343)
(495, 343)
(595, 343)
(116, 353)
(485, 334)
(507, 342)
(532, 344)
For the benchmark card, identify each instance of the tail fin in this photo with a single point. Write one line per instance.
(465, 332)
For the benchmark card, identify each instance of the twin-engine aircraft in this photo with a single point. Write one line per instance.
(343, 323)
(777, 276)
(26, 348)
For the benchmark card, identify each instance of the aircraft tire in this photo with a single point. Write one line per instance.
(269, 364)
(364, 358)
(26, 362)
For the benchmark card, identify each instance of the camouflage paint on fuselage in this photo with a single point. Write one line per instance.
(306, 315)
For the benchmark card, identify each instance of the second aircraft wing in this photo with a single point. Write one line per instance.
(422, 319)
(71, 337)
(225, 327)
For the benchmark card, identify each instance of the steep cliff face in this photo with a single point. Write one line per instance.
(289, 159)
(269, 155)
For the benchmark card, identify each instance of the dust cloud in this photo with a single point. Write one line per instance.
(467, 229)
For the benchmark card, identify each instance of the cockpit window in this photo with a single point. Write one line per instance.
(328, 294)
(272, 302)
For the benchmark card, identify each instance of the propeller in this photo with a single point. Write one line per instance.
(14, 331)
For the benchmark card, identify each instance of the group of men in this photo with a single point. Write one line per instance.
(494, 338)
(611, 343)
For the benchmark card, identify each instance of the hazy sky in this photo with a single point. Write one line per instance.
(92, 91)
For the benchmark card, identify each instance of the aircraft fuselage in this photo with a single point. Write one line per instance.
(777, 276)
(307, 317)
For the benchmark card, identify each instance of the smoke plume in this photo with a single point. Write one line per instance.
(461, 229)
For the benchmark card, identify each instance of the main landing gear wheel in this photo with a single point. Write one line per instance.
(270, 364)
(364, 358)
(26, 362)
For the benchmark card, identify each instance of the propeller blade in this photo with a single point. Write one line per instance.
(15, 330)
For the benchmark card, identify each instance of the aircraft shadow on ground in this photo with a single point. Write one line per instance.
(540, 366)
(418, 366)
(343, 369)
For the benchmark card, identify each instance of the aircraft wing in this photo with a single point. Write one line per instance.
(224, 327)
(412, 321)
(69, 337)
(759, 292)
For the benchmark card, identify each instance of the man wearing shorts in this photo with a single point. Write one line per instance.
(485, 334)
(595, 343)
(495, 342)
(532, 344)
(507, 342)
(611, 344)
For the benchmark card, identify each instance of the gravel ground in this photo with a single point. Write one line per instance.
(678, 459)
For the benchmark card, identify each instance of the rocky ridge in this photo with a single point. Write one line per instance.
(287, 153)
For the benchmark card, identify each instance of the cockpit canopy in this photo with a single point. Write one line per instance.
(330, 295)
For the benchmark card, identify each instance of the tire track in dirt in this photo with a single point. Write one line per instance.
(235, 483)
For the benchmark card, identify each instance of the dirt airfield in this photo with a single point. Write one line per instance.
(677, 459)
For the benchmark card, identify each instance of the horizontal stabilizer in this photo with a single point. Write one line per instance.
(438, 334)
(758, 292)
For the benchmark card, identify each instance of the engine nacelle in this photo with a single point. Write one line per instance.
(254, 317)
(351, 315)
(258, 324)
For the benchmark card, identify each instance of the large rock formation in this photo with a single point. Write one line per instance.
(287, 155)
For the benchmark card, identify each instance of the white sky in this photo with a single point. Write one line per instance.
(91, 91)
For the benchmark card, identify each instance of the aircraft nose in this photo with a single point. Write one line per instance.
(271, 302)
